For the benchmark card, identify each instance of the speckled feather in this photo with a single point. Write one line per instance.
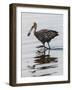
(45, 35)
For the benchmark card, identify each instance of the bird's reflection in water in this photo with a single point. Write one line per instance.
(45, 61)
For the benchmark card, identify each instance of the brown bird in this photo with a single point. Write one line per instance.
(43, 35)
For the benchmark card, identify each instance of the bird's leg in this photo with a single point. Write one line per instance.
(44, 48)
(49, 49)
(49, 52)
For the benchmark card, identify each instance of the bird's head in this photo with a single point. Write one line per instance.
(34, 26)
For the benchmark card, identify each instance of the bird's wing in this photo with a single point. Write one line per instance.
(43, 31)
(45, 35)
(48, 33)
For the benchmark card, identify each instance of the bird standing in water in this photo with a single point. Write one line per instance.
(43, 35)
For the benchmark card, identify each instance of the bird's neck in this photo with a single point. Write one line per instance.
(35, 30)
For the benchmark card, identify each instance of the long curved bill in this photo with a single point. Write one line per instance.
(30, 31)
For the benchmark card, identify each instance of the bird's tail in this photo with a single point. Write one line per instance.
(56, 33)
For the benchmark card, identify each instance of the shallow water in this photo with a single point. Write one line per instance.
(39, 63)
(35, 62)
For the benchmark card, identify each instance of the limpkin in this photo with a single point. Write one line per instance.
(43, 35)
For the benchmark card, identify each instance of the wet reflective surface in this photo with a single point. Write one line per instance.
(45, 62)
(35, 61)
